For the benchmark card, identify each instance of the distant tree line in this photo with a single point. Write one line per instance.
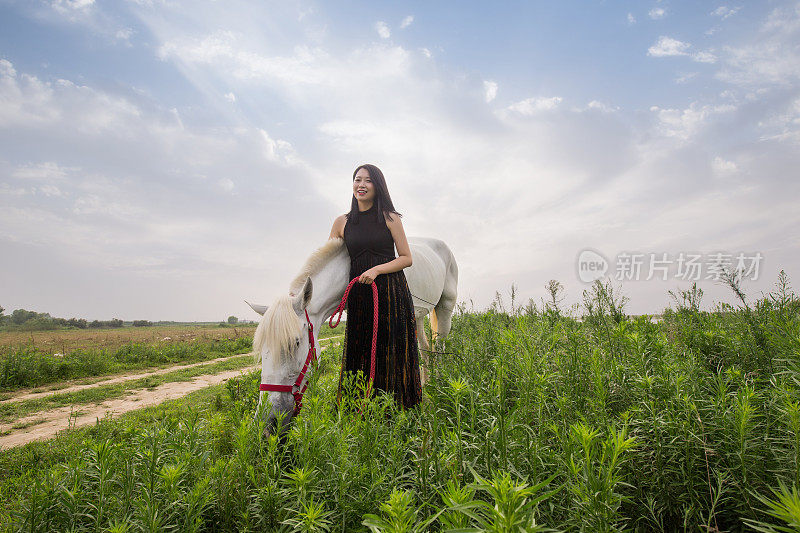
(22, 319)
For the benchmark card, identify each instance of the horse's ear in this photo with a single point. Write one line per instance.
(301, 301)
(260, 309)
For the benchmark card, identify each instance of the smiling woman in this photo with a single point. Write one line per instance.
(371, 231)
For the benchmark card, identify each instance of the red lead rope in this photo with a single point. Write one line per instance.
(340, 310)
(300, 384)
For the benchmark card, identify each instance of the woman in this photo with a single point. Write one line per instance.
(371, 231)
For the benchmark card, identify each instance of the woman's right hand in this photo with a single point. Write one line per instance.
(369, 275)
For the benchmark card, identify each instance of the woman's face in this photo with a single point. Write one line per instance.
(363, 188)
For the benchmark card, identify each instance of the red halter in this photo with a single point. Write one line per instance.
(301, 383)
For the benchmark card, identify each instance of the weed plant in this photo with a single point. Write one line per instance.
(532, 421)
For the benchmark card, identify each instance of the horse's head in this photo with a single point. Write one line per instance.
(280, 343)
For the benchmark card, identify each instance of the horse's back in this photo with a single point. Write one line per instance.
(426, 276)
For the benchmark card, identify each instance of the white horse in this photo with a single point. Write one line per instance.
(281, 339)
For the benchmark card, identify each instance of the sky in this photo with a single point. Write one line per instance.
(168, 159)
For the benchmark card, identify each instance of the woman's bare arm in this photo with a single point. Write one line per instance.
(403, 259)
(338, 227)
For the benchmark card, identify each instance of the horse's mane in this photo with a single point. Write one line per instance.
(280, 325)
(278, 329)
(315, 262)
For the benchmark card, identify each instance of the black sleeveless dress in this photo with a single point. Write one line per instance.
(370, 243)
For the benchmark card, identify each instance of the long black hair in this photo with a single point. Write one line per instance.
(382, 199)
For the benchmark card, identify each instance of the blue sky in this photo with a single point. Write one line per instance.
(167, 159)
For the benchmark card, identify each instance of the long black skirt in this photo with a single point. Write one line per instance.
(397, 355)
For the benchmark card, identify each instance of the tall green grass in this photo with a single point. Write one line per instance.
(533, 420)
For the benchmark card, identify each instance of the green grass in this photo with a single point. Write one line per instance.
(532, 418)
(325, 331)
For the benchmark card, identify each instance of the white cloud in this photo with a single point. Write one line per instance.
(600, 106)
(304, 12)
(537, 104)
(490, 89)
(305, 72)
(667, 46)
(704, 57)
(426, 52)
(684, 78)
(226, 184)
(7, 69)
(106, 207)
(723, 167)
(230, 97)
(15, 88)
(49, 190)
(657, 13)
(92, 18)
(725, 11)
(382, 29)
(683, 124)
(44, 171)
(8, 190)
(277, 150)
(631, 19)
(124, 34)
(29, 101)
(771, 58)
(783, 125)
(144, 185)
(69, 5)
(406, 22)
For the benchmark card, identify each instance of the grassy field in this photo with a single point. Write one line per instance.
(57, 358)
(10, 411)
(64, 341)
(15, 410)
(533, 420)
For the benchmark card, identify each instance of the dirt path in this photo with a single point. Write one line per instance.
(46, 424)
(118, 379)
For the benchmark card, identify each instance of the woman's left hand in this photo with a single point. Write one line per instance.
(369, 275)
